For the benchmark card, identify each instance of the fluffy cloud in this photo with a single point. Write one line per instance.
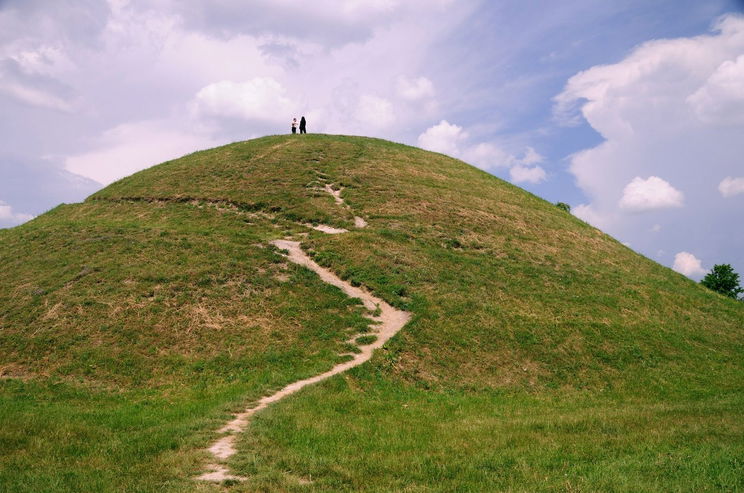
(652, 193)
(720, 101)
(8, 217)
(531, 156)
(526, 174)
(687, 264)
(452, 140)
(443, 137)
(261, 98)
(488, 156)
(670, 109)
(731, 186)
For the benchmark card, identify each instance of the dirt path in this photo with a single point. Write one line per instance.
(386, 322)
(358, 221)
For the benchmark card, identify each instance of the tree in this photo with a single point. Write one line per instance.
(564, 206)
(724, 280)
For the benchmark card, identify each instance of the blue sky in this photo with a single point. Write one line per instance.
(631, 111)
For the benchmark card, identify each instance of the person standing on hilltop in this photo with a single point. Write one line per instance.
(294, 125)
(303, 123)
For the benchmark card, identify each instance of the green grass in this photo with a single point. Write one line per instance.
(365, 340)
(543, 355)
(397, 438)
(63, 437)
(130, 329)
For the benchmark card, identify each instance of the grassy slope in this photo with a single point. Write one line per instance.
(132, 328)
(543, 354)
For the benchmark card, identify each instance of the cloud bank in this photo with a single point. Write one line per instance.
(670, 114)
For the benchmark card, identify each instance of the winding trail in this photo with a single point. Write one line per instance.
(358, 221)
(386, 322)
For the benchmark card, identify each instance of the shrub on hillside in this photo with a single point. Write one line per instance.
(723, 279)
(564, 206)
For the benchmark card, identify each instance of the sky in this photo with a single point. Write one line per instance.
(630, 111)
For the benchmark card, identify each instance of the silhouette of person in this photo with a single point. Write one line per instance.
(294, 125)
(303, 130)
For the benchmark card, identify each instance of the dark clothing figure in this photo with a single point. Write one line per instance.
(303, 130)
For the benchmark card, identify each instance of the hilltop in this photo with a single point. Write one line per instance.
(542, 354)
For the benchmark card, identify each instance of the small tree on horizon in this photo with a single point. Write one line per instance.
(723, 279)
(564, 206)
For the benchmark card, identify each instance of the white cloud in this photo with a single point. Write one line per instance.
(261, 99)
(525, 174)
(8, 217)
(687, 264)
(375, 111)
(488, 156)
(670, 109)
(531, 156)
(720, 101)
(652, 193)
(443, 137)
(131, 147)
(452, 140)
(415, 89)
(585, 212)
(731, 186)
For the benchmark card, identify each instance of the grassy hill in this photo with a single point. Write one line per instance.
(543, 355)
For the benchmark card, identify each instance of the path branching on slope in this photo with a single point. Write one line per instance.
(386, 320)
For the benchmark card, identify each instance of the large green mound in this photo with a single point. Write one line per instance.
(146, 313)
